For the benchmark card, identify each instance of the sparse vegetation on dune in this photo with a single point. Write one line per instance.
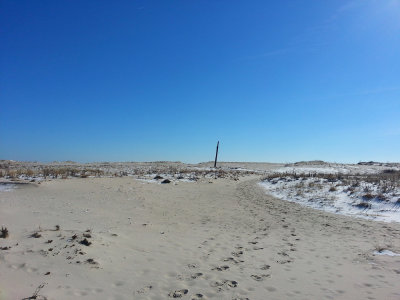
(387, 180)
(56, 170)
(374, 194)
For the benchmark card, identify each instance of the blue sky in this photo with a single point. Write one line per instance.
(276, 81)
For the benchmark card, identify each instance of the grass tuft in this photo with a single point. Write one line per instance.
(4, 232)
(35, 235)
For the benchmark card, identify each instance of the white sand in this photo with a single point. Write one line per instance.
(221, 240)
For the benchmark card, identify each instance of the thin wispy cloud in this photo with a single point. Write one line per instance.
(349, 7)
(367, 13)
(360, 14)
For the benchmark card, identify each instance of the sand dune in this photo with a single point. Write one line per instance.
(120, 238)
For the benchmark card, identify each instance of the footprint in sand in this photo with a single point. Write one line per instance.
(260, 277)
(192, 266)
(221, 268)
(197, 296)
(282, 262)
(231, 259)
(265, 267)
(231, 283)
(196, 275)
(224, 283)
(178, 294)
(237, 253)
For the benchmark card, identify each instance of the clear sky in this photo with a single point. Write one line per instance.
(277, 81)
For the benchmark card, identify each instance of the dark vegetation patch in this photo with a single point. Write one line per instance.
(4, 232)
(85, 242)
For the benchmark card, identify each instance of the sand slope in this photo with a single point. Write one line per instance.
(221, 240)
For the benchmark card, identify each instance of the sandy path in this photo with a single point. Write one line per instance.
(220, 240)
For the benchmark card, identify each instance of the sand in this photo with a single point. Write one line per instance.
(210, 239)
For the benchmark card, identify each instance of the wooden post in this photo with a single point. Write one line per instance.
(216, 156)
